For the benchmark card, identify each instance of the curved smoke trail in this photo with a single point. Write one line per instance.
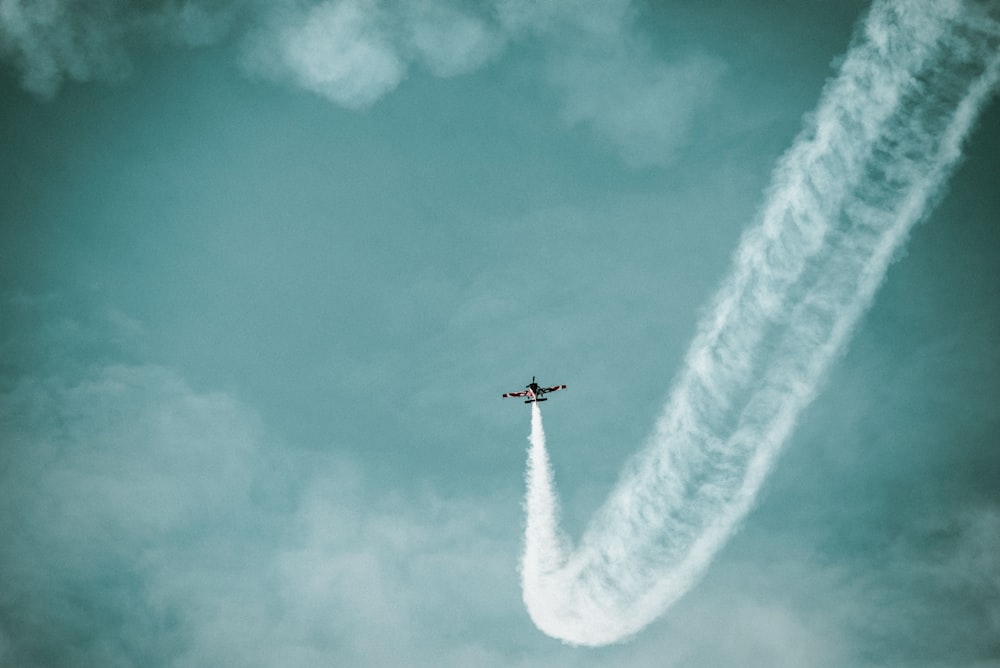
(876, 153)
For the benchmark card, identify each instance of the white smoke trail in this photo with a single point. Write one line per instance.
(875, 155)
(546, 543)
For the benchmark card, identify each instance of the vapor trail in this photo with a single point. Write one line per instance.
(874, 156)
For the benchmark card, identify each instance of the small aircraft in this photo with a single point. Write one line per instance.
(534, 392)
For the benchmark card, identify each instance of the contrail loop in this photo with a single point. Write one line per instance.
(869, 165)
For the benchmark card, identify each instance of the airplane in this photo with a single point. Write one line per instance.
(534, 392)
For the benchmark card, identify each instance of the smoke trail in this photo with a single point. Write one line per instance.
(546, 543)
(873, 158)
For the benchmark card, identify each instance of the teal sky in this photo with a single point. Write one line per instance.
(260, 294)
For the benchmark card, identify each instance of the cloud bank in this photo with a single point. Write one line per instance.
(149, 523)
(873, 158)
(355, 52)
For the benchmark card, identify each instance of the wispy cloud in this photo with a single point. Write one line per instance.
(148, 523)
(52, 41)
(449, 41)
(607, 76)
(105, 477)
(612, 81)
(354, 52)
(641, 106)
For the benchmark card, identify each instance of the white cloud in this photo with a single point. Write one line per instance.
(159, 524)
(354, 52)
(339, 50)
(448, 41)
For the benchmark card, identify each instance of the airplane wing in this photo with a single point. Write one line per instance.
(515, 394)
(553, 388)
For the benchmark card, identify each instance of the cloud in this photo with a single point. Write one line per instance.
(51, 41)
(55, 40)
(354, 52)
(148, 523)
(641, 106)
(611, 80)
(101, 478)
(606, 75)
(338, 49)
(952, 558)
(448, 41)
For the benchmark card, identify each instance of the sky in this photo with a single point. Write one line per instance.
(266, 268)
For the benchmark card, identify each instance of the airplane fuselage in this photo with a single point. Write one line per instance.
(533, 391)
